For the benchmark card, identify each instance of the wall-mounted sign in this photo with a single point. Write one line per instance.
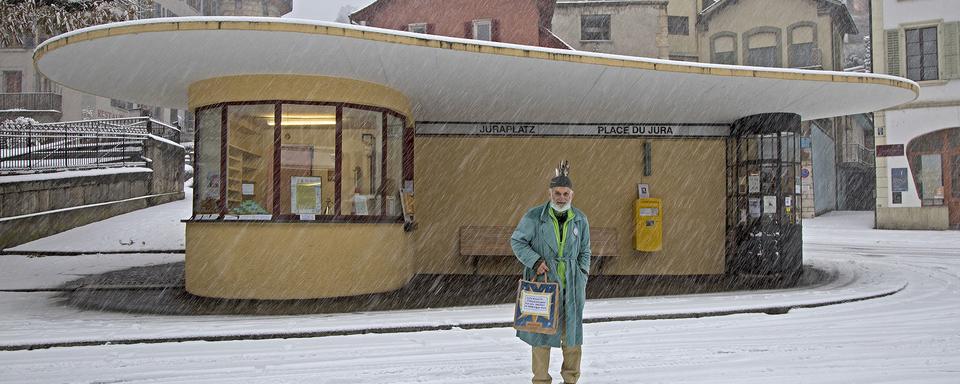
(898, 197)
(890, 150)
(898, 180)
(804, 172)
(788, 201)
(552, 129)
(643, 190)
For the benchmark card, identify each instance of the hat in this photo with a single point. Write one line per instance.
(563, 176)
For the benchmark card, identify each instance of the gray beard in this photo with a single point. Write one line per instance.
(558, 208)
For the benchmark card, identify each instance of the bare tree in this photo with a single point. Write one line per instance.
(24, 21)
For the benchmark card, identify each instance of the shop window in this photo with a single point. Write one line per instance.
(922, 60)
(308, 135)
(595, 27)
(250, 180)
(206, 180)
(931, 179)
(955, 177)
(361, 163)
(678, 25)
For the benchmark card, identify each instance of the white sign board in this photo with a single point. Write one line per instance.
(643, 190)
(769, 205)
(551, 129)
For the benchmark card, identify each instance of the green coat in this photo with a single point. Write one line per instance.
(534, 239)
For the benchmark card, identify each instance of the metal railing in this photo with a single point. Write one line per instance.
(40, 101)
(75, 145)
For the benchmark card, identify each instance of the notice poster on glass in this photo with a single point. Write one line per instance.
(754, 204)
(898, 180)
(305, 195)
(755, 183)
(769, 205)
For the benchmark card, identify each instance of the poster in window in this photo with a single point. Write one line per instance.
(754, 204)
(898, 180)
(305, 195)
(755, 183)
(769, 205)
(898, 197)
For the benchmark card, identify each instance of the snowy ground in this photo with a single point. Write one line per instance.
(912, 335)
(157, 228)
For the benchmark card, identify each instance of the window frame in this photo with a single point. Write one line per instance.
(671, 27)
(406, 165)
(412, 26)
(906, 52)
(476, 28)
(609, 27)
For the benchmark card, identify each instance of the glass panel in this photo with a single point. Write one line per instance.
(930, 73)
(955, 177)
(206, 181)
(307, 158)
(913, 49)
(595, 27)
(787, 149)
(930, 60)
(762, 57)
(929, 34)
(929, 47)
(770, 147)
(787, 178)
(913, 35)
(752, 147)
(394, 179)
(768, 174)
(931, 176)
(250, 159)
(725, 58)
(914, 62)
(913, 73)
(362, 161)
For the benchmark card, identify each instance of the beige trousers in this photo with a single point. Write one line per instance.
(569, 370)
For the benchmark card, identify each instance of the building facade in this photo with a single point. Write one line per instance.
(526, 22)
(918, 163)
(633, 28)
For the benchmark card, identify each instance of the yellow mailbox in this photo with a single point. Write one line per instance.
(648, 216)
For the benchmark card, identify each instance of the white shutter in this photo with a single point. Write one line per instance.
(893, 52)
(950, 41)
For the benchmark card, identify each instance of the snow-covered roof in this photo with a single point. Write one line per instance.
(448, 79)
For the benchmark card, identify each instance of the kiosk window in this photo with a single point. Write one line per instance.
(249, 161)
(206, 181)
(362, 162)
(308, 135)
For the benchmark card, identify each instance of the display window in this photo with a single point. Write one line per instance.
(301, 161)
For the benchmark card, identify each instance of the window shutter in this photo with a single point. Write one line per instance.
(468, 29)
(950, 38)
(495, 30)
(893, 52)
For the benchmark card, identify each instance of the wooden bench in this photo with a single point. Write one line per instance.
(494, 241)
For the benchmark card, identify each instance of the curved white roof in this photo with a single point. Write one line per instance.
(447, 79)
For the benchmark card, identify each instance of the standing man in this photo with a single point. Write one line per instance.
(554, 239)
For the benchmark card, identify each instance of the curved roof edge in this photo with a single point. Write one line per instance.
(269, 24)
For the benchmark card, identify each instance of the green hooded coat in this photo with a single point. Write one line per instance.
(534, 239)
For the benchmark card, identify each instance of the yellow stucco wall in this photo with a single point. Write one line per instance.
(295, 260)
(493, 181)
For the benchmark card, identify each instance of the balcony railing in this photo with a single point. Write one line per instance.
(856, 154)
(42, 101)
